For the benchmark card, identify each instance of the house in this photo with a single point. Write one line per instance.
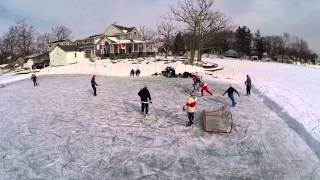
(116, 42)
(63, 55)
(283, 58)
(18, 63)
(88, 44)
(232, 53)
(64, 42)
(37, 61)
(123, 33)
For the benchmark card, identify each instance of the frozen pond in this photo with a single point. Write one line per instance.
(60, 131)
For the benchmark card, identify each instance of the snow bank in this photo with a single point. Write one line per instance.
(106, 67)
(122, 67)
(295, 88)
(11, 77)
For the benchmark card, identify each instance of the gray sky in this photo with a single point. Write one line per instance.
(88, 17)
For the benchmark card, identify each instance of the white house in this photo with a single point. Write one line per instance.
(116, 42)
(63, 55)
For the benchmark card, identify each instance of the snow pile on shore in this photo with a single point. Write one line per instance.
(122, 67)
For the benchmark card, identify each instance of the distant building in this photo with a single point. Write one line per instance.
(64, 42)
(63, 55)
(4, 68)
(36, 61)
(88, 45)
(116, 42)
(283, 59)
(232, 53)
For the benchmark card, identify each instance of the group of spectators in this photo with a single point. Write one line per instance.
(135, 72)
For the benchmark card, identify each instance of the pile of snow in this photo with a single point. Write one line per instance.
(122, 67)
(293, 87)
(12, 77)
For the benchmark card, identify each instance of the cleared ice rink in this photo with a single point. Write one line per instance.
(60, 131)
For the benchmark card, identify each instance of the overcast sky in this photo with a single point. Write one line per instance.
(88, 17)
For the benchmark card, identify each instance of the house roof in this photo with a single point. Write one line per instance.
(94, 35)
(121, 28)
(59, 41)
(125, 41)
(37, 57)
(69, 48)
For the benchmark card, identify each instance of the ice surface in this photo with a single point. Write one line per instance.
(61, 131)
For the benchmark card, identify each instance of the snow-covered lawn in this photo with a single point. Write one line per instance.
(147, 66)
(60, 131)
(122, 68)
(294, 88)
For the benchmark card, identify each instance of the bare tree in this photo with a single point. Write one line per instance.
(42, 42)
(214, 23)
(201, 20)
(147, 34)
(8, 45)
(286, 41)
(25, 37)
(166, 32)
(60, 33)
(300, 50)
(274, 46)
(18, 41)
(10, 42)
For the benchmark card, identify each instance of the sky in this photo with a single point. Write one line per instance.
(89, 17)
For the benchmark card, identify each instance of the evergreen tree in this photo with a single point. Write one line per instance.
(259, 43)
(243, 40)
(179, 44)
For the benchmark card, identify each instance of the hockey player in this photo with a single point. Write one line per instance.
(145, 97)
(34, 79)
(204, 88)
(230, 92)
(196, 81)
(94, 84)
(190, 107)
(248, 85)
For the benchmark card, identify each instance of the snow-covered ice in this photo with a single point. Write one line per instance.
(60, 131)
(294, 88)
